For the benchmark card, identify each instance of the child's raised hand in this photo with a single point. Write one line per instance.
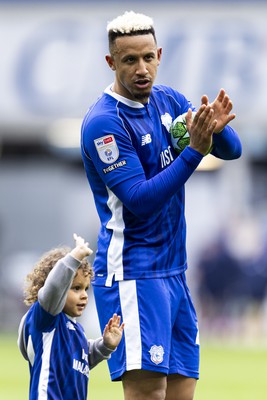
(82, 248)
(113, 332)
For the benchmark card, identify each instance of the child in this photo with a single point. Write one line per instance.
(50, 339)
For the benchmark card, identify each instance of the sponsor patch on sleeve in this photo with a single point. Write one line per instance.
(107, 149)
(114, 166)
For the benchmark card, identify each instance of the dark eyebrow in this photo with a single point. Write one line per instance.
(149, 54)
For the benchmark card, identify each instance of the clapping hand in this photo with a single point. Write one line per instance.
(222, 107)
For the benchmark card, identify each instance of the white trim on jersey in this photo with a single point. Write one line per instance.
(124, 100)
(114, 254)
(130, 315)
(44, 374)
(30, 351)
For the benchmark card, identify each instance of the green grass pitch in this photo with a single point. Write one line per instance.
(227, 372)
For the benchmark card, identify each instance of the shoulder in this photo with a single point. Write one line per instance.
(173, 97)
(167, 91)
(39, 319)
(102, 111)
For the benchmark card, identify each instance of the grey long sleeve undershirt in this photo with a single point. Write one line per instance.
(52, 296)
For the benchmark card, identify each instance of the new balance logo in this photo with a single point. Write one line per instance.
(146, 139)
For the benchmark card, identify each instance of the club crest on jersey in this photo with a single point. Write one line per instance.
(166, 120)
(156, 354)
(107, 149)
(70, 326)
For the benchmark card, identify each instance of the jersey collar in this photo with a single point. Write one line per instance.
(124, 100)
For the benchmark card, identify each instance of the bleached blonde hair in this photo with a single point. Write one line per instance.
(129, 24)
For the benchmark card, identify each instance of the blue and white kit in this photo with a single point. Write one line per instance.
(54, 344)
(137, 180)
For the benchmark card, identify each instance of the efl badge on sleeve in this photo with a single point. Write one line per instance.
(107, 149)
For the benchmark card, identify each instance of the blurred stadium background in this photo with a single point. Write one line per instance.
(52, 68)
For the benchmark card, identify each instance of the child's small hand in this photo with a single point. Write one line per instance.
(113, 332)
(82, 248)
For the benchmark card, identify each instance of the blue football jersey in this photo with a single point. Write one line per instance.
(57, 349)
(125, 144)
(137, 180)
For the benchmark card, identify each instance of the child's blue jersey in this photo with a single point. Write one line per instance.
(138, 184)
(54, 344)
(58, 356)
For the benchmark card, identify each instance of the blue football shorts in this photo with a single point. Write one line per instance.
(161, 329)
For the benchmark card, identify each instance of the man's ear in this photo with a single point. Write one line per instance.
(110, 62)
(159, 54)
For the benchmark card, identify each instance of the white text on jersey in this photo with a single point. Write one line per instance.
(166, 157)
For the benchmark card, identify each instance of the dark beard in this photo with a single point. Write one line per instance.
(142, 96)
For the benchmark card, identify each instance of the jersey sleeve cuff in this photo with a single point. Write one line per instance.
(192, 156)
(104, 350)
